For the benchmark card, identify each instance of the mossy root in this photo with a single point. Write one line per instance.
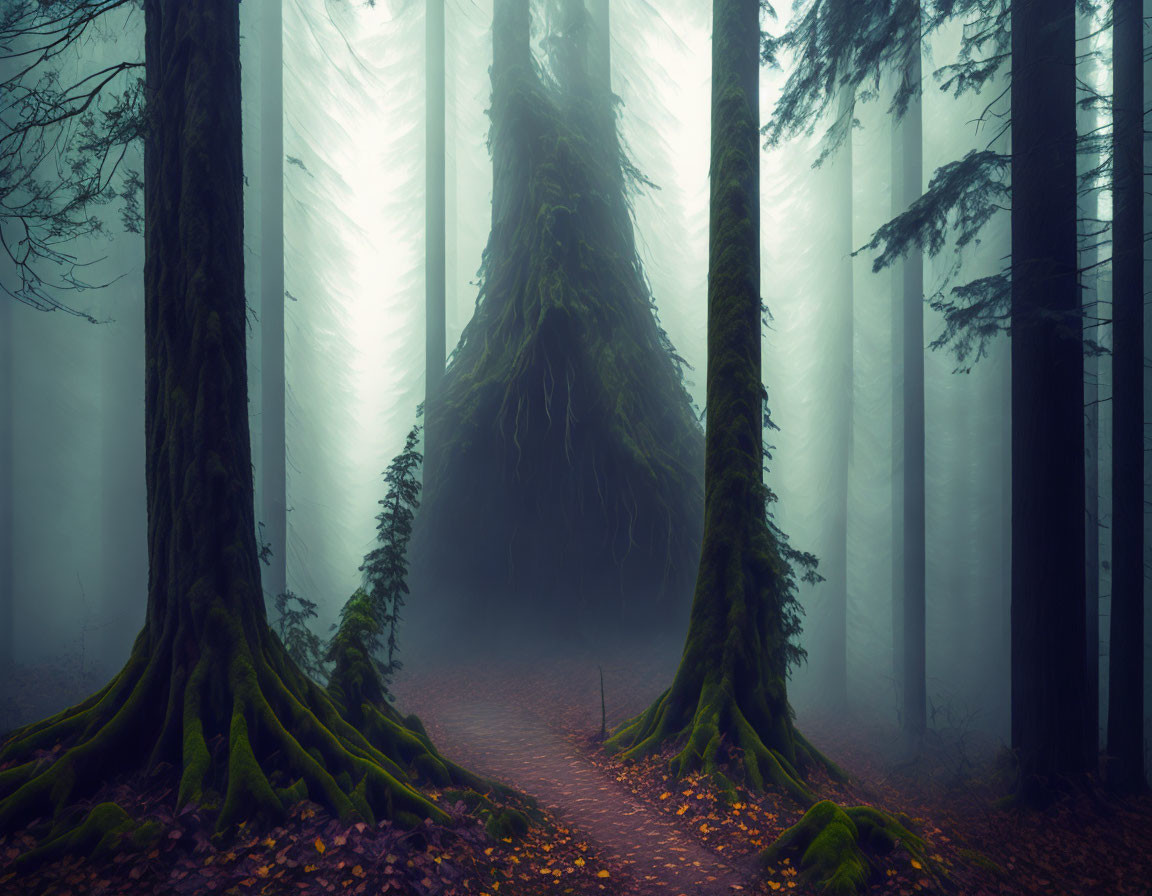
(835, 846)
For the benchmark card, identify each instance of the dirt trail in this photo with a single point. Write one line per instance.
(515, 745)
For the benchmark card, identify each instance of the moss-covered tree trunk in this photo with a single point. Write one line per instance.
(208, 689)
(566, 486)
(1048, 558)
(730, 689)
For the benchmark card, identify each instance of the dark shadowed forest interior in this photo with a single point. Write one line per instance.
(611, 447)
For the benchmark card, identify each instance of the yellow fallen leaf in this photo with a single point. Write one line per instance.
(774, 884)
(262, 871)
(681, 810)
(916, 865)
(488, 851)
(319, 844)
(579, 862)
(602, 873)
(665, 795)
(268, 843)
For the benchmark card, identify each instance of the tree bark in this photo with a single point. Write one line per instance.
(907, 185)
(511, 50)
(1049, 679)
(1125, 767)
(835, 564)
(7, 482)
(208, 689)
(274, 482)
(730, 690)
(600, 44)
(435, 198)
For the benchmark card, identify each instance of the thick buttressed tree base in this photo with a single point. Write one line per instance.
(728, 704)
(727, 712)
(209, 697)
(565, 490)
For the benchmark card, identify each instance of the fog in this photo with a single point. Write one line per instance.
(354, 340)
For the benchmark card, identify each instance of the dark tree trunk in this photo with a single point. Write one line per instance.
(1049, 679)
(274, 486)
(208, 688)
(1092, 544)
(834, 591)
(7, 481)
(730, 689)
(600, 44)
(435, 198)
(1126, 653)
(511, 56)
(123, 560)
(907, 185)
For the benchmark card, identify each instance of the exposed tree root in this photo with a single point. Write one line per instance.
(97, 836)
(835, 846)
(248, 732)
(717, 739)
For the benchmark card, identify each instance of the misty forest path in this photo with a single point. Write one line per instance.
(514, 743)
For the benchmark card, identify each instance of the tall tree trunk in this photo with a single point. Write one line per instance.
(907, 185)
(730, 689)
(7, 482)
(435, 198)
(123, 561)
(600, 44)
(206, 668)
(1092, 543)
(511, 50)
(1049, 679)
(274, 484)
(1126, 652)
(835, 588)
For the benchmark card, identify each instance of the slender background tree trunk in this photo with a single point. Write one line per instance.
(1126, 651)
(123, 548)
(907, 185)
(600, 45)
(835, 589)
(274, 485)
(435, 197)
(1049, 679)
(7, 481)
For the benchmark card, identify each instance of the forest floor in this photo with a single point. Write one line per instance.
(536, 723)
(607, 828)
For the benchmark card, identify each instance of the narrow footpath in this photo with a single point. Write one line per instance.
(512, 744)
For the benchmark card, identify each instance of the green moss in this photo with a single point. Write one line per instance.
(249, 794)
(294, 793)
(834, 845)
(569, 449)
(507, 824)
(105, 829)
(981, 861)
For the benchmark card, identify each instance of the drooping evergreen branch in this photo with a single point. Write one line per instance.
(64, 145)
